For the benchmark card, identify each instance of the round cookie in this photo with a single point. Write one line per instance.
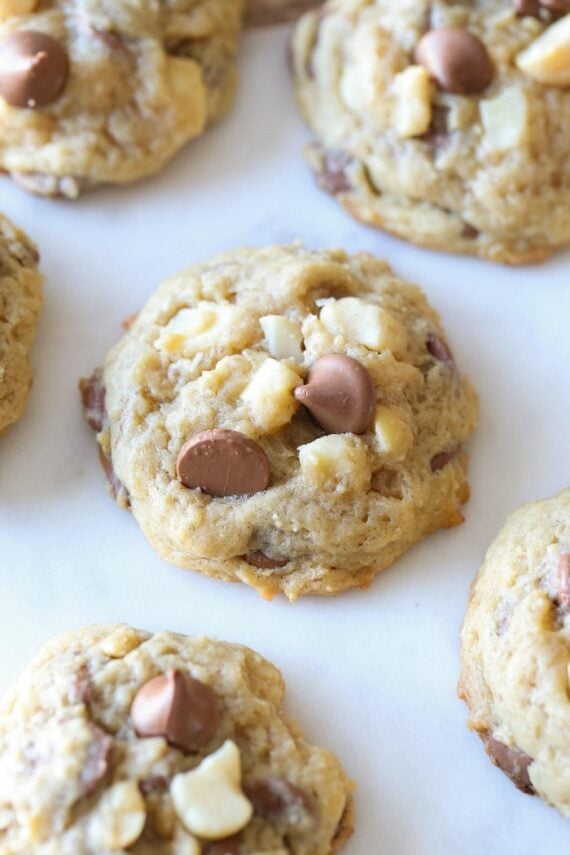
(445, 123)
(20, 303)
(291, 419)
(94, 93)
(118, 740)
(515, 650)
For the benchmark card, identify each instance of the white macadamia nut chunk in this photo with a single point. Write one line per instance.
(209, 800)
(120, 642)
(186, 84)
(120, 817)
(207, 325)
(337, 461)
(364, 323)
(547, 58)
(505, 119)
(283, 337)
(393, 436)
(412, 109)
(269, 395)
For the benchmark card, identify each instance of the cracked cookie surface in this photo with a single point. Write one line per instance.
(77, 777)
(515, 643)
(141, 80)
(20, 303)
(481, 172)
(291, 419)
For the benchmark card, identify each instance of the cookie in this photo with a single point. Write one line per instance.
(20, 303)
(445, 123)
(291, 419)
(96, 93)
(118, 740)
(515, 655)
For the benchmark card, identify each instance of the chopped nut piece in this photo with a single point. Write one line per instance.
(547, 58)
(269, 395)
(393, 435)
(412, 112)
(335, 461)
(193, 330)
(283, 337)
(209, 800)
(365, 323)
(120, 642)
(120, 817)
(505, 119)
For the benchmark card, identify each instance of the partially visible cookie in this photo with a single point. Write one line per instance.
(291, 419)
(116, 740)
(94, 93)
(20, 303)
(446, 123)
(516, 651)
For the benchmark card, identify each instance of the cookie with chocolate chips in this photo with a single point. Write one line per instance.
(291, 419)
(98, 93)
(20, 303)
(117, 740)
(515, 644)
(445, 123)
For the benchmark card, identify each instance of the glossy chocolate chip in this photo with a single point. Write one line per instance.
(339, 394)
(176, 706)
(223, 463)
(563, 582)
(229, 846)
(456, 59)
(439, 349)
(93, 400)
(263, 561)
(97, 762)
(439, 461)
(33, 69)
(275, 798)
(512, 762)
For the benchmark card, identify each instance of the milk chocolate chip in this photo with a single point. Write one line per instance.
(263, 561)
(339, 394)
(229, 846)
(33, 69)
(527, 8)
(176, 706)
(223, 463)
(276, 798)
(456, 59)
(512, 762)
(439, 349)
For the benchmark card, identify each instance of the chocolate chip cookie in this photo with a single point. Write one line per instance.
(446, 123)
(117, 740)
(291, 419)
(516, 650)
(20, 303)
(95, 92)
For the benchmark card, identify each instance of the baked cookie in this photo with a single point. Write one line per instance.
(288, 418)
(516, 650)
(446, 123)
(20, 303)
(116, 740)
(106, 92)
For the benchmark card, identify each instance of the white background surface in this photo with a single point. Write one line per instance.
(371, 674)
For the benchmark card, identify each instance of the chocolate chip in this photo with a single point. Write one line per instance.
(339, 394)
(439, 349)
(563, 582)
(176, 706)
(223, 463)
(456, 59)
(439, 461)
(33, 69)
(511, 761)
(81, 686)
(332, 177)
(98, 759)
(118, 490)
(470, 231)
(527, 8)
(263, 561)
(276, 798)
(229, 846)
(153, 785)
(93, 400)
(557, 7)
(437, 135)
